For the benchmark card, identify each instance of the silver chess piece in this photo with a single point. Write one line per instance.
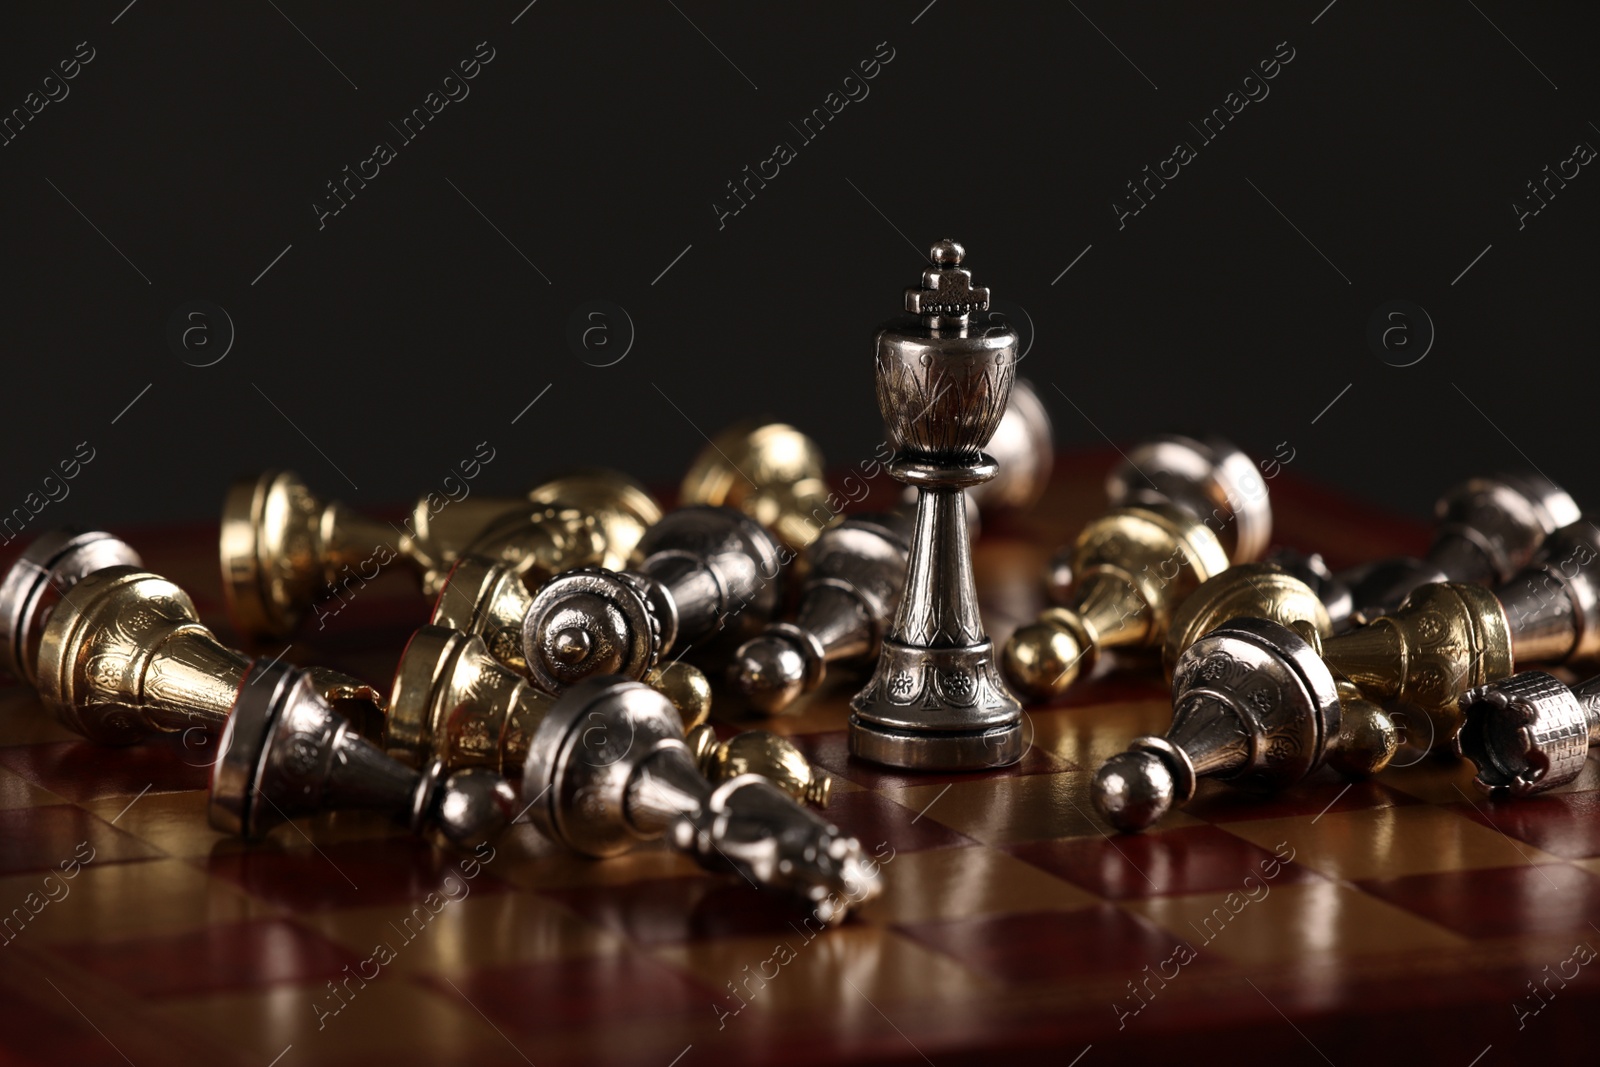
(286, 753)
(1252, 703)
(1529, 733)
(936, 700)
(856, 572)
(608, 768)
(1488, 529)
(1553, 604)
(708, 575)
(1023, 447)
(40, 578)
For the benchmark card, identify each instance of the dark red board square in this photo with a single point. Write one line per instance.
(1220, 802)
(81, 771)
(356, 874)
(40, 839)
(228, 956)
(1193, 859)
(881, 824)
(533, 1000)
(831, 751)
(1520, 901)
(1041, 947)
(1566, 824)
(672, 910)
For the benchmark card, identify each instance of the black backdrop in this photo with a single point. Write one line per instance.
(167, 195)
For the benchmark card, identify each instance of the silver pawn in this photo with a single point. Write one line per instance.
(1253, 704)
(608, 768)
(709, 575)
(286, 753)
(856, 574)
(1529, 733)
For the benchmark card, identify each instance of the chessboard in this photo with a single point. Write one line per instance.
(1387, 920)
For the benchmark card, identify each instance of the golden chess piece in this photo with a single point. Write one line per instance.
(125, 656)
(759, 752)
(770, 471)
(40, 579)
(1249, 590)
(286, 553)
(1133, 566)
(286, 753)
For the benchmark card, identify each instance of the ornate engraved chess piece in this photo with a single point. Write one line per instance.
(126, 657)
(1249, 590)
(708, 577)
(1252, 704)
(608, 768)
(1488, 529)
(287, 753)
(1529, 733)
(760, 753)
(286, 553)
(770, 471)
(856, 572)
(452, 700)
(936, 701)
(40, 579)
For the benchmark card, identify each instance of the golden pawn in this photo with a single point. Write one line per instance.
(286, 553)
(761, 753)
(770, 471)
(126, 657)
(1133, 566)
(1244, 591)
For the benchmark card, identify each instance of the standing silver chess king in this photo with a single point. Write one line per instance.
(936, 700)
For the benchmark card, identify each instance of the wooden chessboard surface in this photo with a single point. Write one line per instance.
(1389, 920)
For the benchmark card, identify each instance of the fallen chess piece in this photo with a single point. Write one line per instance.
(1023, 447)
(1489, 528)
(286, 553)
(1529, 733)
(770, 471)
(762, 753)
(608, 768)
(125, 656)
(855, 575)
(709, 577)
(454, 702)
(286, 753)
(1182, 510)
(40, 579)
(1254, 705)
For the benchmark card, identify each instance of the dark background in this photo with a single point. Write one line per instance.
(379, 351)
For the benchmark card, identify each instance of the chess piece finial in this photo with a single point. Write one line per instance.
(762, 753)
(40, 579)
(770, 471)
(708, 576)
(1529, 733)
(855, 576)
(608, 768)
(126, 657)
(687, 687)
(1553, 604)
(1252, 704)
(286, 753)
(1489, 528)
(1133, 567)
(936, 700)
(285, 552)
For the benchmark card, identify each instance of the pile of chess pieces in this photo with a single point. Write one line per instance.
(579, 634)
